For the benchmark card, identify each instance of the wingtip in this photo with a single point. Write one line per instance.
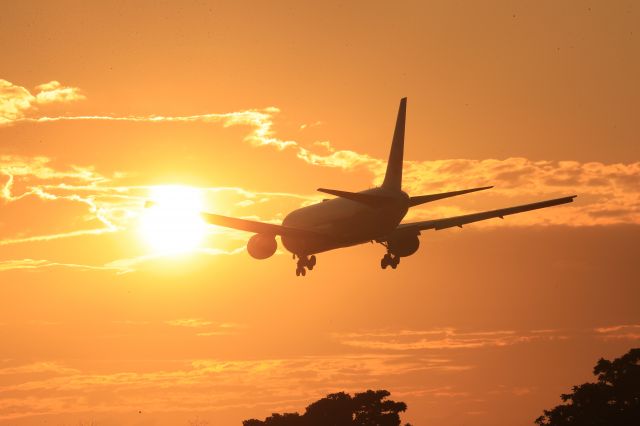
(480, 188)
(567, 199)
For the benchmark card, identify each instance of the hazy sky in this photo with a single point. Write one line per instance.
(252, 106)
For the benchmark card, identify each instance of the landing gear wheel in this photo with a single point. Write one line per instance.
(389, 260)
(304, 262)
(386, 261)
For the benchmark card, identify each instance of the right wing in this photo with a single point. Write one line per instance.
(258, 227)
(449, 222)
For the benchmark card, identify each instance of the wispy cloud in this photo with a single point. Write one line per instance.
(8, 265)
(133, 264)
(450, 338)
(113, 206)
(205, 327)
(442, 338)
(189, 322)
(619, 332)
(36, 176)
(37, 367)
(438, 392)
(50, 237)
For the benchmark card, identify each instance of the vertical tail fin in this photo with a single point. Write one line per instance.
(393, 176)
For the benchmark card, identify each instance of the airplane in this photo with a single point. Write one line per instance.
(352, 218)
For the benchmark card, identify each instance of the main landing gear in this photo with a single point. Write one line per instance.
(389, 260)
(304, 263)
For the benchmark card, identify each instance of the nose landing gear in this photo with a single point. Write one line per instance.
(304, 263)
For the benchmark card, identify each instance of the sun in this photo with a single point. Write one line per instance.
(171, 223)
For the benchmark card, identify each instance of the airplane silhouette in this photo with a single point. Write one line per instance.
(360, 217)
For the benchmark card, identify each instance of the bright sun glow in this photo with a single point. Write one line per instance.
(172, 223)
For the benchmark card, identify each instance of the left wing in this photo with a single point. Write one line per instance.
(259, 227)
(449, 222)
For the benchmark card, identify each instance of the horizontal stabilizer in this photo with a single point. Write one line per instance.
(421, 199)
(370, 200)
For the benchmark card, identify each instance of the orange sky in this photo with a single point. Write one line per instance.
(256, 105)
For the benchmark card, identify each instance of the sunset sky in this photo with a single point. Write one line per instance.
(113, 315)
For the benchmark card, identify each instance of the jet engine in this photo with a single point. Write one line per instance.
(261, 246)
(404, 246)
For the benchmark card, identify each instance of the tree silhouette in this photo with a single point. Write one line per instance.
(614, 400)
(370, 408)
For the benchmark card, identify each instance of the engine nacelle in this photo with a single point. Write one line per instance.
(261, 246)
(404, 246)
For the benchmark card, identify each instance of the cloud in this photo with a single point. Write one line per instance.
(115, 208)
(264, 382)
(55, 92)
(153, 261)
(260, 120)
(120, 266)
(619, 332)
(37, 367)
(444, 338)
(308, 126)
(235, 383)
(449, 338)
(102, 201)
(51, 237)
(207, 328)
(37, 178)
(16, 101)
(189, 322)
(608, 193)
(8, 265)
(343, 159)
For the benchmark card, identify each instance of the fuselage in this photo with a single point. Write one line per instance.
(344, 222)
